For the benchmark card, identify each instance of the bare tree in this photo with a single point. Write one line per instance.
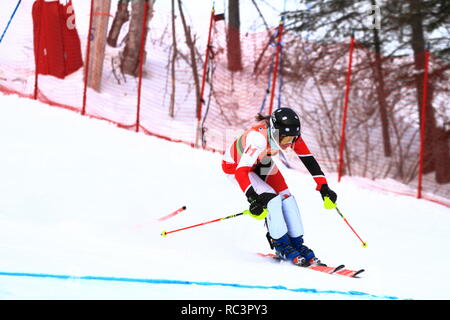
(381, 92)
(174, 58)
(130, 58)
(192, 49)
(437, 153)
(407, 26)
(122, 16)
(233, 37)
(98, 44)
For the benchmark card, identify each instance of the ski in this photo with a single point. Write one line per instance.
(325, 269)
(339, 270)
(350, 273)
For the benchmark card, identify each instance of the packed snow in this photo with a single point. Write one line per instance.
(80, 202)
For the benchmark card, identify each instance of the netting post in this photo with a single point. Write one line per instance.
(344, 118)
(423, 121)
(36, 59)
(141, 63)
(88, 53)
(205, 68)
(277, 57)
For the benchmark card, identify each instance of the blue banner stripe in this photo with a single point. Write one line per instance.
(199, 283)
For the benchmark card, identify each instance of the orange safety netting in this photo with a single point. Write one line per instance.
(311, 80)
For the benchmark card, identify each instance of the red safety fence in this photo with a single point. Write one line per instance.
(335, 90)
(383, 138)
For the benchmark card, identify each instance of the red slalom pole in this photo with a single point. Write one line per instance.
(364, 244)
(347, 91)
(172, 214)
(36, 59)
(423, 120)
(205, 69)
(141, 62)
(165, 233)
(88, 56)
(275, 70)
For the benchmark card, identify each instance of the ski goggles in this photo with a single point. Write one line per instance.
(287, 139)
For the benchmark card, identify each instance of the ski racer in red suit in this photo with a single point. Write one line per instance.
(249, 162)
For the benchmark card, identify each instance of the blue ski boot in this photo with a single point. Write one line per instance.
(286, 251)
(305, 252)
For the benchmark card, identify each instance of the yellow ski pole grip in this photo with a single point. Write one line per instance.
(262, 216)
(328, 204)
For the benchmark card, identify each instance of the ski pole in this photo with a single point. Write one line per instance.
(364, 244)
(172, 214)
(328, 204)
(10, 19)
(165, 233)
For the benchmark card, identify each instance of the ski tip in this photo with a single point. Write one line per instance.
(183, 207)
(339, 268)
(364, 245)
(358, 273)
(164, 233)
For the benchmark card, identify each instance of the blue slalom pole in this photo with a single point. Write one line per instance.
(10, 19)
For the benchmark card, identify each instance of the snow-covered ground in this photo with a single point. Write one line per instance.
(80, 199)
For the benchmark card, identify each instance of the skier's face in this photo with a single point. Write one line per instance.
(285, 142)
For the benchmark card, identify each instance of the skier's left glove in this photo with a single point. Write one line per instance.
(326, 192)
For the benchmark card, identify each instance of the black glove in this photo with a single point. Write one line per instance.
(325, 191)
(258, 202)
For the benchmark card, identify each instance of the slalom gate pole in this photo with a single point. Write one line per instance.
(423, 121)
(36, 58)
(344, 117)
(165, 233)
(277, 58)
(141, 63)
(364, 244)
(88, 56)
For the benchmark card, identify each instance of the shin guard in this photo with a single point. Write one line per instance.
(275, 219)
(292, 217)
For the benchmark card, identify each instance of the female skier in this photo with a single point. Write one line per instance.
(249, 161)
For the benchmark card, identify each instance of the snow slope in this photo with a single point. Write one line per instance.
(79, 199)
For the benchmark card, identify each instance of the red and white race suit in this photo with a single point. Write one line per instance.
(251, 154)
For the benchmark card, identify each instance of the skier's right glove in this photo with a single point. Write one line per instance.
(258, 202)
(329, 196)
